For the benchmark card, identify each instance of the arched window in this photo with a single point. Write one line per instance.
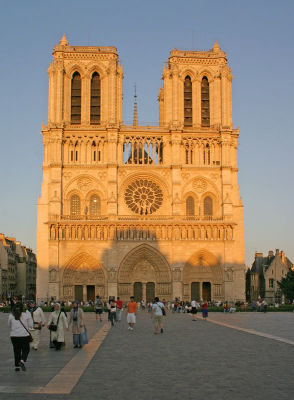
(75, 205)
(187, 101)
(208, 206)
(205, 113)
(95, 99)
(190, 206)
(95, 205)
(76, 98)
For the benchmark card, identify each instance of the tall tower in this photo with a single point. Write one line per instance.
(140, 210)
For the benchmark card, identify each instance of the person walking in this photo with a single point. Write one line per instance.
(119, 306)
(194, 310)
(56, 323)
(19, 323)
(131, 317)
(38, 318)
(112, 311)
(99, 308)
(158, 310)
(76, 319)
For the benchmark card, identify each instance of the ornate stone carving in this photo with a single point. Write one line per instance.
(200, 185)
(143, 196)
(84, 184)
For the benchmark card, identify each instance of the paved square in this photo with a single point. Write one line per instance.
(190, 360)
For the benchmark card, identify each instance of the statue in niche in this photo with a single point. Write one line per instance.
(177, 274)
(112, 274)
(229, 274)
(53, 275)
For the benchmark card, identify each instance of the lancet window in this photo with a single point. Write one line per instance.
(75, 205)
(206, 155)
(190, 206)
(76, 98)
(143, 150)
(95, 205)
(205, 111)
(95, 99)
(187, 101)
(208, 206)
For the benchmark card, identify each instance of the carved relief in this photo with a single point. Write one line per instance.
(84, 184)
(200, 185)
(53, 275)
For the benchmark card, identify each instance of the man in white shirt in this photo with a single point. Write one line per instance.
(158, 310)
(38, 318)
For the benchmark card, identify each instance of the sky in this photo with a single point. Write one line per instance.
(258, 37)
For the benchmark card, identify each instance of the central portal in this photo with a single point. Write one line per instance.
(144, 273)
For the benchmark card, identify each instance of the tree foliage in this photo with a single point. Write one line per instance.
(286, 285)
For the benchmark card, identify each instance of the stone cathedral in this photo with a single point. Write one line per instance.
(140, 210)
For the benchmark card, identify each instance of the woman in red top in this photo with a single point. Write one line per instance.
(204, 310)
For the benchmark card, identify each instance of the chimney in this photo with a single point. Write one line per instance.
(277, 252)
(270, 253)
(258, 255)
(282, 256)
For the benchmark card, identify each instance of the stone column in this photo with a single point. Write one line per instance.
(84, 293)
(144, 293)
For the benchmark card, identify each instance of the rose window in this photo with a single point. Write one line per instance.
(143, 196)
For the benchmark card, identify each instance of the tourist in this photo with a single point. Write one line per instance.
(76, 318)
(38, 322)
(56, 323)
(264, 303)
(112, 311)
(119, 306)
(204, 310)
(143, 304)
(19, 323)
(131, 317)
(194, 310)
(158, 310)
(98, 308)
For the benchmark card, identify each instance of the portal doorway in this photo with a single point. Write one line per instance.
(79, 292)
(150, 291)
(90, 292)
(138, 291)
(195, 291)
(206, 291)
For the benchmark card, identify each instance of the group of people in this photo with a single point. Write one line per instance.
(25, 327)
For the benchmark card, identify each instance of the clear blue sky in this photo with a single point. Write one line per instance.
(258, 37)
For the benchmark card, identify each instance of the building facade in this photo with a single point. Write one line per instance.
(18, 266)
(265, 273)
(140, 210)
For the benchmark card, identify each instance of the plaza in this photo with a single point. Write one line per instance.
(231, 356)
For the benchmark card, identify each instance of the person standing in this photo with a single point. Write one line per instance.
(38, 322)
(98, 308)
(119, 306)
(76, 318)
(19, 323)
(131, 317)
(57, 319)
(204, 310)
(194, 310)
(158, 310)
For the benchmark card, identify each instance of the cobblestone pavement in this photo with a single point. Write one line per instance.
(190, 360)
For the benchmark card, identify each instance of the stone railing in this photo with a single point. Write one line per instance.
(216, 231)
(137, 218)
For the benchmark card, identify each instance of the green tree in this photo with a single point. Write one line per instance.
(286, 285)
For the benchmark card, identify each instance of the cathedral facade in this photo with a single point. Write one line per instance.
(139, 210)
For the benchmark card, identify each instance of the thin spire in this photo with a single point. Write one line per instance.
(63, 41)
(135, 120)
(216, 47)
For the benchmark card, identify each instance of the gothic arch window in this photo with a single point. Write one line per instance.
(95, 205)
(187, 101)
(190, 206)
(76, 98)
(75, 205)
(205, 112)
(95, 99)
(206, 155)
(208, 206)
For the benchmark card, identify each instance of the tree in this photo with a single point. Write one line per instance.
(287, 285)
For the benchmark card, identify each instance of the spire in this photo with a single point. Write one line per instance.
(135, 120)
(63, 41)
(216, 47)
